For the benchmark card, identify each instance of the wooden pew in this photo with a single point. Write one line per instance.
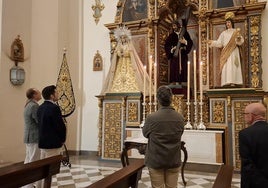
(124, 178)
(20, 174)
(224, 177)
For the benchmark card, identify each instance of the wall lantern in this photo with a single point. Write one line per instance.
(17, 73)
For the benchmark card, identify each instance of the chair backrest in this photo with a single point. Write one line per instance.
(141, 147)
(224, 177)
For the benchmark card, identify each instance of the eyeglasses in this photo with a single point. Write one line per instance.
(246, 113)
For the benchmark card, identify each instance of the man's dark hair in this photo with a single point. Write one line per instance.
(232, 22)
(177, 23)
(164, 95)
(30, 93)
(47, 91)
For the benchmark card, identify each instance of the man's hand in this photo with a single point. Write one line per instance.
(183, 41)
(173, 49)
(209, 42)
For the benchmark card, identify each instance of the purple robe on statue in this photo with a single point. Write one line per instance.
(178, 65)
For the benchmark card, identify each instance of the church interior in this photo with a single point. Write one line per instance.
(75, 45)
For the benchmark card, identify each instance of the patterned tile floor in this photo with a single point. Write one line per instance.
(85, 172)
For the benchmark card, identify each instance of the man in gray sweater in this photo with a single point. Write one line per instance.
(163, 129)
(31, 127)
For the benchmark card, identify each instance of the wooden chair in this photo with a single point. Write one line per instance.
(19, 174)
(141, 147)
(224, 177)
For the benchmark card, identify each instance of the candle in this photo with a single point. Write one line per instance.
(188, 81)
(150, 82)
(155, 81)
(144, 84)
(195, 76)
(201, 80)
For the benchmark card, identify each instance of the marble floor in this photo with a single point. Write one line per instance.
(86, 169)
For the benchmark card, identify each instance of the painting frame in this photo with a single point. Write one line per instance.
(134, 10)
(216, 4)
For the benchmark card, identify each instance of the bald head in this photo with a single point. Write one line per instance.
(33, 93)
(256, 108)
(254, 112)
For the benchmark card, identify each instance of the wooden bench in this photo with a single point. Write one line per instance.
(124, 178)
(224, 177)
(20, 174)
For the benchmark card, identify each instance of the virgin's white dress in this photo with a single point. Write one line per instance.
(126, 73)
(231, 71)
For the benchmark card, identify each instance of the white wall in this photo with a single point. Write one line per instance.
(45, 27)
(1, 3)
(95, 37)
(12, 97)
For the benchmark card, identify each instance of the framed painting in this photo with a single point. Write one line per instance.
(215, 4)
(97, 62)
(134, 10)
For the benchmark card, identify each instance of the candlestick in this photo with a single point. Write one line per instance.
(188, 81)
(201, 124)
(195, 76)
(150, 82)
(195, 92)
(188, 124)
(155, 86)
(144, 92)
(144, 83)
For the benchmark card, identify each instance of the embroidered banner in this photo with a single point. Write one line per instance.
(65, 89)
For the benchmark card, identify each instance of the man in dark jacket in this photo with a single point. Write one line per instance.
(52, 131)
(178, 64)
(253, 148)
(163, 129)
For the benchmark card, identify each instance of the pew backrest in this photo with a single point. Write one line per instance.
(20, 174)
(126, 177)
(224, 177)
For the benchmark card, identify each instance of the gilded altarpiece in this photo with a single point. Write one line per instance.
(133, 116)
(227, 105)
(112, 129)
(226, 112)
(248, 19)
(222, 107)
(116, 112)
(238, 110)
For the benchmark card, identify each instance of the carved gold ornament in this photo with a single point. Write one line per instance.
(218, 115)
(97, 8)
(17, 51)
(229, 15)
